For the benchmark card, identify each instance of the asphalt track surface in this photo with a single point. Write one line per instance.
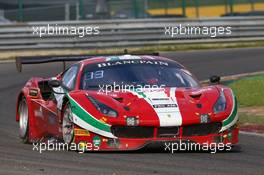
(18, 158)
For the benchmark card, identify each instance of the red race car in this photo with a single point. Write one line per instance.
(125, 103)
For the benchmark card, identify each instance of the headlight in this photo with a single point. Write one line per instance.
(220, 105)
(104, 109)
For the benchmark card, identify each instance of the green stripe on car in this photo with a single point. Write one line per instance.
(87, 117)
(232, 115)
(232, 118)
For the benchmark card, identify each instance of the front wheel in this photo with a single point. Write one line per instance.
(67, 124)
(23, 120)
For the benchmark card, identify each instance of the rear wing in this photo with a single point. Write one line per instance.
(20, 61)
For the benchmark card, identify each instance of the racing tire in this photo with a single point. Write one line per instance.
(67, 124)
(23, 113)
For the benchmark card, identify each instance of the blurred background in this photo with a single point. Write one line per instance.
(137, 24)
(57, 10)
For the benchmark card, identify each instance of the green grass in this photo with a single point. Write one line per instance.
(250, 119)
(249, 91)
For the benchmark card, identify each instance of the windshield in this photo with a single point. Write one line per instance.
(166, 75)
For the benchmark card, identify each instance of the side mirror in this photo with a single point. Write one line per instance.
(215, 79)
(54, 83)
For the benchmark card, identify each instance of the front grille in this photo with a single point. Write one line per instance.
(132, 131)
(168, 131)
(201, 129)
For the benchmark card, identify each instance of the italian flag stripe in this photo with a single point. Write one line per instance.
(232, 118)
(167, 116)
(87, 117)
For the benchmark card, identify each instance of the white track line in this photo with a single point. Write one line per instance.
(251, 133)
(7, 61)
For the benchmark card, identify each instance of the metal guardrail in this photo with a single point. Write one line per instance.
(125, 33)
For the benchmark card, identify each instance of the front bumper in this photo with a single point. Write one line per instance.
(100, 143)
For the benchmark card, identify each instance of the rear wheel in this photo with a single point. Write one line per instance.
(23, 120)
(67, 124)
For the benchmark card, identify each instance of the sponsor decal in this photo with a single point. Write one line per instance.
(165, 106)
(97, 141)
(81, 132)
(127, 62)
(94, 75)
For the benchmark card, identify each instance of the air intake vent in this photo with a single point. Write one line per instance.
(133, 131)
(201, 129)
(168, 131)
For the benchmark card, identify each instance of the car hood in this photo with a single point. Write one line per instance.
(159, 107)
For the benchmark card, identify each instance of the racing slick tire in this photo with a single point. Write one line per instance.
(23, 120)
(67, 124)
